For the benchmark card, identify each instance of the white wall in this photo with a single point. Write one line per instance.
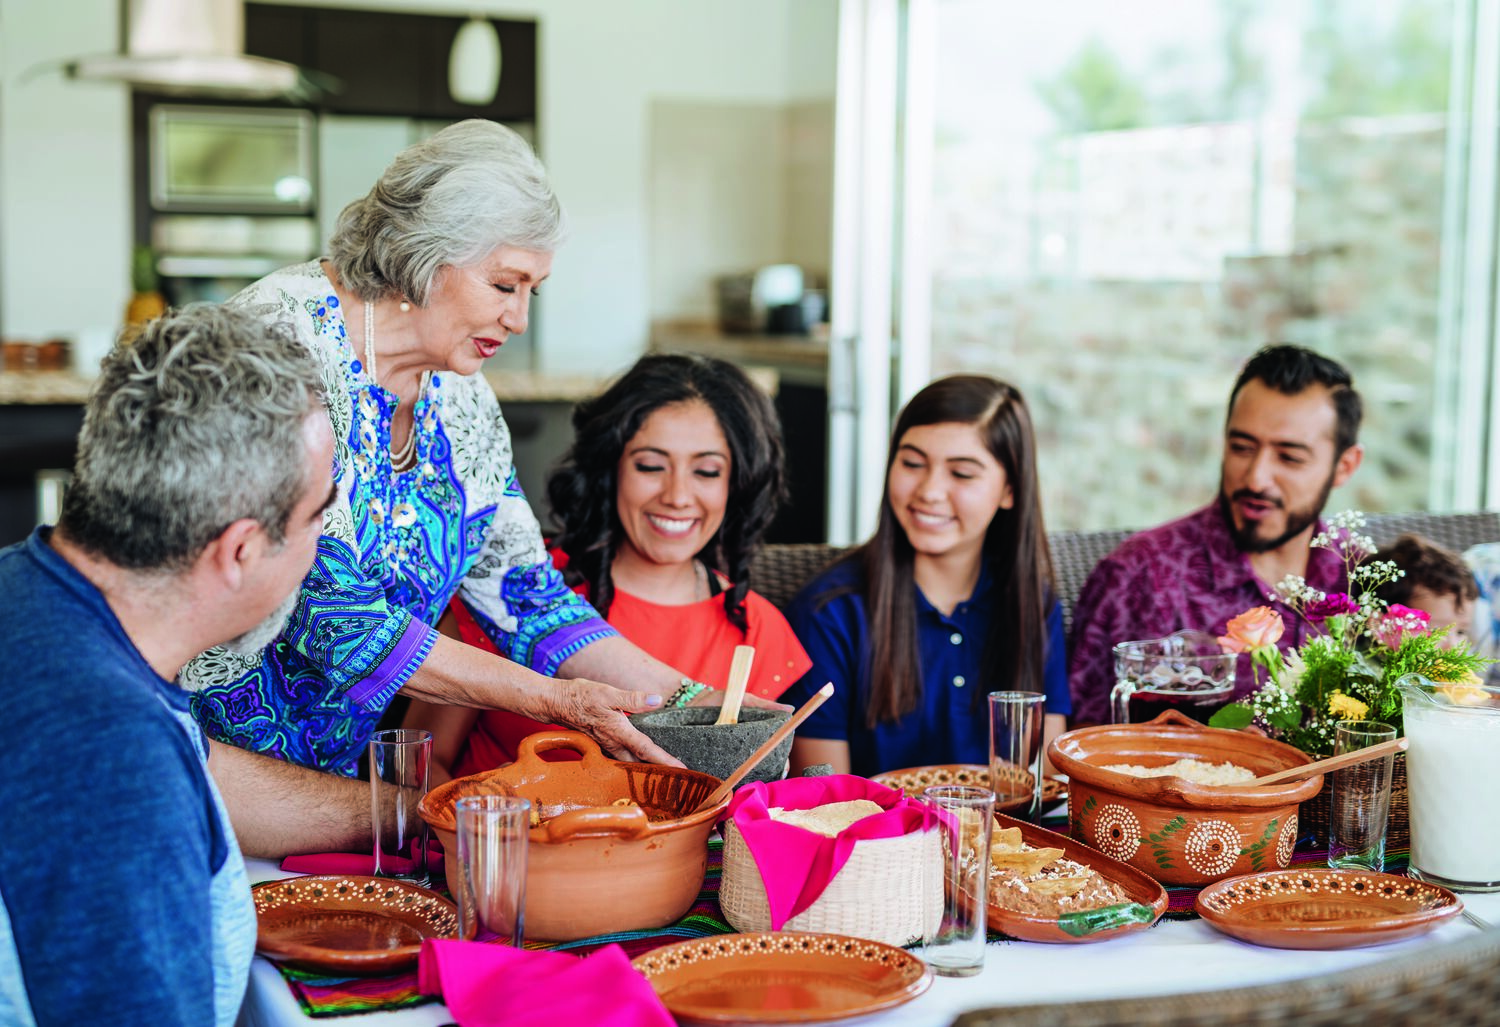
(601, 63)
(65, 204)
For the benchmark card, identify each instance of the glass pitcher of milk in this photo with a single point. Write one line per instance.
(1453, 781)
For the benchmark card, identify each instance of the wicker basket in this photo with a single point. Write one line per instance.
(871, 897)
(1315, 811)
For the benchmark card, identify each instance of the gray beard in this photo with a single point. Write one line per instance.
(264, 633)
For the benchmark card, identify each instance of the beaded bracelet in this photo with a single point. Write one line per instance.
(686, 693)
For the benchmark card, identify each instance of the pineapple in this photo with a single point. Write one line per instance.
(147, 302)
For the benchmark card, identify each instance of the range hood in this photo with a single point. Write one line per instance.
(192, 48)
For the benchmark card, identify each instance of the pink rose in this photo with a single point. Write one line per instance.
(1398, 624)
(1253, 629)
(1335, 604)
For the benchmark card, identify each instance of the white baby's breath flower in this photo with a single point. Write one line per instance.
(1296, 592)
(1291, 585)
(1292, 669)
(1348, 520)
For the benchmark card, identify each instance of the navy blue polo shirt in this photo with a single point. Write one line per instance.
(951, 723)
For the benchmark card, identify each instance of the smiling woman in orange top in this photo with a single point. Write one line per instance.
(674, 475)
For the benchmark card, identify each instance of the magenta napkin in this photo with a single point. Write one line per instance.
(499, 986)
(796, 864)
(361, 863)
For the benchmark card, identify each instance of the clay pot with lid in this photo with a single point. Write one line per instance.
(593, 867)
(1179, 831)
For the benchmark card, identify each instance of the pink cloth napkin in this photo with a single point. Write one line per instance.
(499, 986)
(797, 864)
(361, 863)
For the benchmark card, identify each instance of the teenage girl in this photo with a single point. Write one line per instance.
(952, 598)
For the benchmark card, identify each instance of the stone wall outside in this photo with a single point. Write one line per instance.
(1334, 243)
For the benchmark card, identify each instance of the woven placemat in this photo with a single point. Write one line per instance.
(321, 996)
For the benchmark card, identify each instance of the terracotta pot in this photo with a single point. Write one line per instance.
(592, 869)
(1175, 830)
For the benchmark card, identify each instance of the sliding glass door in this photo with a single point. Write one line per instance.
(1113, 205)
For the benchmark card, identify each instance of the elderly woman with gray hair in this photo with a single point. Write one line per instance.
(426, 277)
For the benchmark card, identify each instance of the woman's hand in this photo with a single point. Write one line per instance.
(601, 711)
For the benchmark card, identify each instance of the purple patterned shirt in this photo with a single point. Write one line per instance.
(1185, 574)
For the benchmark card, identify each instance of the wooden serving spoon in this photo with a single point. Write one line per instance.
(739, 677)
(720, 793)
(1324, 766)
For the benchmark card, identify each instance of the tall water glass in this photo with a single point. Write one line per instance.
(1359, 798)
(1016, 751)
(955, 948)
(492, 842)
(398, 781)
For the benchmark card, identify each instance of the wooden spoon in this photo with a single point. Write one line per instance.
(1324, 766)
(720, 793)
(739, 677)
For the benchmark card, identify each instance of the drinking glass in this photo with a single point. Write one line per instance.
(966, 814)
(398, 781)
(1360, 798)
(1188, 671)
(492, 842)
(1016, 751)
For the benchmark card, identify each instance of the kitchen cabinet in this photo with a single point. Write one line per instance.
(390, 63)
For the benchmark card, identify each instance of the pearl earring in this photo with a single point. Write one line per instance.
(405, 306)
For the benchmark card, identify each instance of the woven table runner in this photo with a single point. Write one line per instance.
(340, 996)
(321, 996)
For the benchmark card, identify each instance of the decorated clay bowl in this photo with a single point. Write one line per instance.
(593, 867)
(691, 735)
(1179, 831)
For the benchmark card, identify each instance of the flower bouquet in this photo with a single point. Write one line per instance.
(1348, 670)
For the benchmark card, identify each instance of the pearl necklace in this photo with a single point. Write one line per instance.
(406, 455)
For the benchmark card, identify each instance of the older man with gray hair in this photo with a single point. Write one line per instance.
(197, 501)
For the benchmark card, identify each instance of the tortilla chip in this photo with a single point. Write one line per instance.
(1059, 886)
(1026, 862)
(828, 819)
(1006, 839)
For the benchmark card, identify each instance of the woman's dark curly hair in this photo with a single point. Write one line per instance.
(581, 490)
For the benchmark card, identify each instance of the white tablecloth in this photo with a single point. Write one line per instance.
(1172, 957)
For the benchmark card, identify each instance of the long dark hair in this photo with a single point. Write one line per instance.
(581, 489)
(1015, 552)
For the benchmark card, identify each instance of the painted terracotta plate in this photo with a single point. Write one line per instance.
(348, 924)
(1146, 898)
(913, 779)
(782, 977)
(1325, 909)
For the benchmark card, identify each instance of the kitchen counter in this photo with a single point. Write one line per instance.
(797, 359)
(45, 388)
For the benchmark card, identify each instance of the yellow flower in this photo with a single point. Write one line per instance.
(1346, 707)
(1466, 691)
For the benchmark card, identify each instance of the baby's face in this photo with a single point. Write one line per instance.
(1445, 610)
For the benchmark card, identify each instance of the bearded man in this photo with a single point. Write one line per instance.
(1290, 438)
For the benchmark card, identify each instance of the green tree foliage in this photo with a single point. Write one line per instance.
(1362, 69)
(1354, 65)
(1095, 93)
